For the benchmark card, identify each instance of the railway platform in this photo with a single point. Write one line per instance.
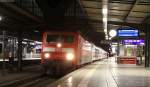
(106, 74)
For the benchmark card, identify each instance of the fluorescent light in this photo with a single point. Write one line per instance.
(105, 13)
(105, 10)
(114, 43)
(1, 18)
(110, 38)
(130, 45)
(25, 39)
(36, 31)
(105, 30)
(24, 42)
(142, 44)
(104, 19)
(106, 36)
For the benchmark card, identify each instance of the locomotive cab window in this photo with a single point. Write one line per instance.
(52, 38)
(68, 39)
(60, 38)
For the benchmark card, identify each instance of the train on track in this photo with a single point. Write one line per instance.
(64, 50)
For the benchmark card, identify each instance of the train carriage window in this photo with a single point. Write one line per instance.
(60, 38)
(38, 50)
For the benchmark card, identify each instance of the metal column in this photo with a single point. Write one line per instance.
(118, 47)
(3, 53)
(19, 53)
(147, 45)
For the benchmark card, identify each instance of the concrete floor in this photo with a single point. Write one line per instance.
(106, 74)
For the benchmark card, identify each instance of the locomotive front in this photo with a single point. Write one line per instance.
(58, 51)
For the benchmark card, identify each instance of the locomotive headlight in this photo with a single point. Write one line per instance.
(59, 45)
(46, 55)
(69, 56)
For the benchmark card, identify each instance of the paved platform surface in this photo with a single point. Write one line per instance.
(106, 74)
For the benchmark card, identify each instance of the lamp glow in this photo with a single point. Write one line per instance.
(105, 11)
(112, 33)
(1, 18)
(105, 30)
(47, 55)
(59, 45)
(104, 19)
(69, 56)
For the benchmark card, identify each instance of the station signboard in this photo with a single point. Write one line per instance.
(128, 32)
(134, 42)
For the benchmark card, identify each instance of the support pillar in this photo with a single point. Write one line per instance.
(118, 48)
(147, 45)
(3, 54)
(19, 52)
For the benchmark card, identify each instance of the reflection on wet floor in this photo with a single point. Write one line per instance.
(106, 73)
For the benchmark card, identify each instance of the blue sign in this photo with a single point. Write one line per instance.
(135, 42)
(130, 32)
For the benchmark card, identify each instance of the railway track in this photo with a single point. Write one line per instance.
(41, 82)
(32, 77)
(31, 81)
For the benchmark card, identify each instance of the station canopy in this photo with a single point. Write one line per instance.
(32, 17)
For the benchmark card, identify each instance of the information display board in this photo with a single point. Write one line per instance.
(128, 33)
(134, 42)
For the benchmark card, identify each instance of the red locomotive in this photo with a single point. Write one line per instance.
(63, 50)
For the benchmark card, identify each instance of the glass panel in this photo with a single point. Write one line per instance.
(52, 38)
(60, 38)
(68, 38)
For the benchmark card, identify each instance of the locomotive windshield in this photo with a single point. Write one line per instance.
(60, 38)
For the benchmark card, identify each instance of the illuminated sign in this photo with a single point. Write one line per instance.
(135, 42)
(128, 33)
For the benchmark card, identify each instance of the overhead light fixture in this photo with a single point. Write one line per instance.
(105, 30)
(112, 33)
(106, 37)
(104, 19)
(1, 18)
(105, 10)
(25, 39)
(105, 13)
(36, 31)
